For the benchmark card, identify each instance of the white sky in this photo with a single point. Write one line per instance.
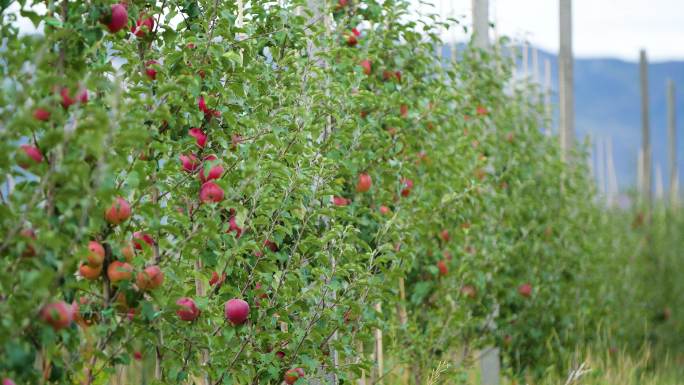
(604, 28)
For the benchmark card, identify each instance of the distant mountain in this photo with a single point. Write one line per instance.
(608, 105)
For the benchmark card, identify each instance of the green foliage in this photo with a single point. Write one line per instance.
(293, 121)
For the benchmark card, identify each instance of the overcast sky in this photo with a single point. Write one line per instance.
(605, 28)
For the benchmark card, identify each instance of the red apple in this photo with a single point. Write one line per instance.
(236, 311)
(403, 110)
(90, 272)
(443, 269)
(271, 245)
(481, 110)
(342, 3)
(211, 192)
(137, 355)
(118, 212)
(57, 314)
(292, 375)
(200, 137)
(215, 278)
(280, 354)
(150, 278)
(7, 381)
(233, 227)
(28, 236)
(151, 69)
(190, 163)
(142, 26)
(364, 183)
(444, 234)
(119, 271)
(41, 114)
(340, 201)
(407, 187)
(366, 64)
(96, 253)
(352, 37)
(525, 290)
(215, 169)
(118, 18)
(187, 311)
(202, 105)
(140, 236)
(468, 291)
(67, 100)
(29, 152)
(384, 210)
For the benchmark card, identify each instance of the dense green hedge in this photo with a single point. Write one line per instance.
(471, 226)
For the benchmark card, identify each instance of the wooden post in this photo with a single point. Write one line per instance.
(525, 61)
(600, 168)
(613, 187)
(645, 131)
(672, 139)
(481, 23)
(535, 66)
(547, 97)
(566, 81)
(490, 366)
(378, 350)
(659, 189)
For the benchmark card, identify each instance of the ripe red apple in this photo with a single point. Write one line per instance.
(190, 163)
(28, 236)
(403, 110)
(137, 355)
(236, 311)
(128, 251)
(443, 269)
(41, 114)
(211, 192)
(119, 271)
(142, 26)
(28, 152)
(96, 253)
(397, 75)
(271, 245)
(57, 314)
(150, 278)
(233, 227)
(7, 381)
(215, 169)
(202, 105)
(342, 3)
(89, 272)
(215, 278)
(481, 110)
(407, 187)
(384, 210)
(525, 290)
(363, 114)
(151, 69)
(140, 236)
(352, 37)
(444, 234)
(67, 100)
(117, 19)
(200, 137)
(364, 183)
(366, 64)
(280, 354)
(340, 201)
(292, 375)
(118, 212)
(468, 291)
(187, 311)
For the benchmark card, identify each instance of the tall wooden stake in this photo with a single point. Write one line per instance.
(547, 97)
(566, 80)
(613, 188)
(378, 350)
(645, 131)
(481, 23)
(672, 139)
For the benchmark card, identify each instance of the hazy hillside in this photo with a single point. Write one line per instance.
(608, 106)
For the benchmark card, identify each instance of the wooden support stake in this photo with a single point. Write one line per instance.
(672, 139)
(481, 23)
(566, 81)
(378, 350)
(645, 130)
(548, 112)
(613, 187)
